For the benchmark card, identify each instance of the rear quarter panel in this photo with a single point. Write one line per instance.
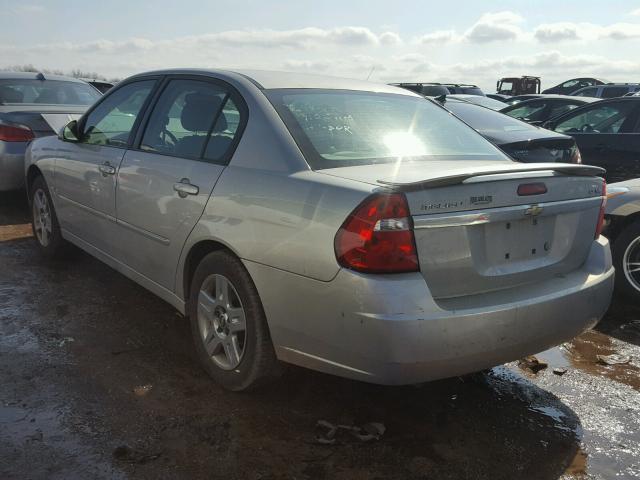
(284, 221)
(42, 153)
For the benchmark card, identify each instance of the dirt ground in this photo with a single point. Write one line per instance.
(98, 380)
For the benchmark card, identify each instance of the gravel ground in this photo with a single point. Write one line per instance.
(98, 380)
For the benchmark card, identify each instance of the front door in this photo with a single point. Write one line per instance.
(85, 171)
(164, 183)
(606, 137)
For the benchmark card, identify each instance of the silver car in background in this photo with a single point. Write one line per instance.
(33, 105)
(623, 230)
(349, 227)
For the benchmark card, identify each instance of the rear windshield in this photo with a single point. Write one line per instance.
(339, 128)
(486, 120)
(46, 92)
(472, 91)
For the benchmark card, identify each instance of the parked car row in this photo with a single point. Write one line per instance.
(604, 133)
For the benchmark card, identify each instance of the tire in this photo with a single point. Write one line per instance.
(235, 358)
(626, 250)
(44, 221)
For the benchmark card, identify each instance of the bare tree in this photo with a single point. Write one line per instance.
(75, 73)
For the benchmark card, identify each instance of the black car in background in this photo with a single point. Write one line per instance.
(433, 89)
(608, 135)
(522, 98)
(498, 96)
(539, 110)
(521, 141)
(570, 86)
(609, 90)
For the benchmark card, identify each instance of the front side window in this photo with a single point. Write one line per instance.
(587, 92)
(111, 122)
(530, 112)
(192, 119)
(336, 128)
(506, 87)
(46, 92)
(561, 108)
(570, 83)
(598, 119)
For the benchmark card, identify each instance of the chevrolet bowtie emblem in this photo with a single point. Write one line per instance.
(533, 210)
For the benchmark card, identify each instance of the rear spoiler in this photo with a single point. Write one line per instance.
(462, 176)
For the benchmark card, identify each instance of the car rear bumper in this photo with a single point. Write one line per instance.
(12, 165)
(389, 330)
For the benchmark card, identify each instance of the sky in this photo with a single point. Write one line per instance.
(461, 42)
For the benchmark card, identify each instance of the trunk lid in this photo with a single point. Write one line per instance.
(42, 119)
(541, 149)
(475, 233)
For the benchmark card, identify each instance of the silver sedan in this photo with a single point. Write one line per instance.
(348, 227)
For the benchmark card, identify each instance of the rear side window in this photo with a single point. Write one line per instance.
(46, 92)
(192, 119)
(599, 119)
(111, 122)
(472, 91)
(611, 92)
(336, 128)
(486, 120)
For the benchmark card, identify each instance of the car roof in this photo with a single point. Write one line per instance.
(6, 75)
(271, 79)
(543, 98)
(436, 84)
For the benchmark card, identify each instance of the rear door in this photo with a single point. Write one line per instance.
(606, 136)
(165, 181)
(85, 180)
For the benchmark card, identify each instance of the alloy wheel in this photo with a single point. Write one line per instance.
(222, 321)
(631, 263)
(42, 217)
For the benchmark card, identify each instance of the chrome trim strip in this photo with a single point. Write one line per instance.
(86, 208)
(143, 232)
(517, 212)
(329, 362)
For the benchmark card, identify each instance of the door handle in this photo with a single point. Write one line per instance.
(107, 169)
(184, 188)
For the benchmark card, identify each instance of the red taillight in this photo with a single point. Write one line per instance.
(531, 189)
(603, 205)
(9, 133)
(377, 237)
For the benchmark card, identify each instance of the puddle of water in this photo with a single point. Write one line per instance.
(578, 466)
(582, 353)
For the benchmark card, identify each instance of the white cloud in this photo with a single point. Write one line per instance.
(556, 32)
(411, 58)
(306, 65)
(635, 13)
(439, 36)
(390, 38)
(493, 27)
(621, 31)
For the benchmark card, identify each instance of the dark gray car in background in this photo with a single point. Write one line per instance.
(35, 105)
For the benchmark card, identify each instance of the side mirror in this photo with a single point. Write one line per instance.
(70, 132)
